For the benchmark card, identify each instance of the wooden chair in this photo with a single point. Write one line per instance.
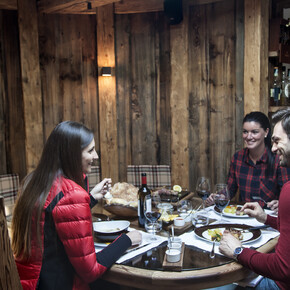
(9, 184)
(94, 176)
(9, 278)
(157, 175)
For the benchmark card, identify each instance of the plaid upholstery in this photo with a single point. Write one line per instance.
(9, 184)
(94, 176)
(157, 175)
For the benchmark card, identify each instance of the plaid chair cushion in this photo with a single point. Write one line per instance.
(94, 176)
(157, 175)
(9, 184)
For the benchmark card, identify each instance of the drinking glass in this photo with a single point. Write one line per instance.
(221, 198)
(203, 189)
(152, 222)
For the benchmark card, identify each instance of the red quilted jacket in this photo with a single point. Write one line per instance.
(68, 259)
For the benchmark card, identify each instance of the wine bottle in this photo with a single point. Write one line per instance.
(144, 201)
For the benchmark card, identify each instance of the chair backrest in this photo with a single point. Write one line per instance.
(94, 176)
(157, 175)
(9, 278)
(9, 184)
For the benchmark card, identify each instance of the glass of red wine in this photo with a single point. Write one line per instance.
(203, 189)
(152, 223)
(221, 198)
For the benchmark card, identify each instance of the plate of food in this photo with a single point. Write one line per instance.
(170, 195)
(215, 232)
(232, 211)
(122, 200)
(110, 230)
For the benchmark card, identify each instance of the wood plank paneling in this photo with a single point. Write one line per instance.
(31, 86)
(107, 94)
(179, 102)
(14, 118)
(68, 71)
(123, 78)
(3, 164)
(256, 63)
(199, 102)
(221, 87)
(144, 88)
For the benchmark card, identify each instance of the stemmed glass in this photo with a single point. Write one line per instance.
(203, 189)
(221, 198)
(152, 222)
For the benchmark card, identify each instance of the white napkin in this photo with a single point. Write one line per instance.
(146, 242)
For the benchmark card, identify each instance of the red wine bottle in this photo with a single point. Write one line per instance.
(144, 201)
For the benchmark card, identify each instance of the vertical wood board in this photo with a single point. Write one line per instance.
(179, 100)
(144, 89)
(31, 86)
(123, 80)
(107, 94)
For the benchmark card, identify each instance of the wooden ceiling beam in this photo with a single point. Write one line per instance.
(71, 6)
(138, 6)
(8, 4)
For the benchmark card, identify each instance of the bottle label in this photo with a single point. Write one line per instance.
(148, 203)
(276, 94)
(139, 206)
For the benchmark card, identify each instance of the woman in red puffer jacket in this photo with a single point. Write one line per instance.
(52, 235)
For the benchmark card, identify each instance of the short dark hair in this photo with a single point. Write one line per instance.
(283, 115)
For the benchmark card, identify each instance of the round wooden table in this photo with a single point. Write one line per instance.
(188, 279)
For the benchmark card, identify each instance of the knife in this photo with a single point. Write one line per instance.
(137, 248)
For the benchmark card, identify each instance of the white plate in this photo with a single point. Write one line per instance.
(110, 230)
(248, 237)
(231, 215)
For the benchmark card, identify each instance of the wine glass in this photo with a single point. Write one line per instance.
(152, 222)
(221, 197)
(203, 189)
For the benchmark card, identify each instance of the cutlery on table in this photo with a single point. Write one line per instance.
(212, 253)
(253, 228)
(259, 198)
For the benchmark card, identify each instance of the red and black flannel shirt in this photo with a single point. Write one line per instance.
(250, 178)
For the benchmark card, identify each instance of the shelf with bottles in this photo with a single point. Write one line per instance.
(279, 93)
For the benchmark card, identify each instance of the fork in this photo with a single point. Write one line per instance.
(212, 253)
(259, 198)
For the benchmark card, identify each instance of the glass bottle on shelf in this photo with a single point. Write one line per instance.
(287, 89)
(275, 89)
(283, 98)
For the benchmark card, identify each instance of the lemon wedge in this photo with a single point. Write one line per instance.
(177, 188)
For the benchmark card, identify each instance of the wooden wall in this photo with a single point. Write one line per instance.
(179, 88)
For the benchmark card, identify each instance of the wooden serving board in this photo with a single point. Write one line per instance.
(179, 230)
(174, 266)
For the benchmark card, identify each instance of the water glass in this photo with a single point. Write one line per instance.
(200, 218)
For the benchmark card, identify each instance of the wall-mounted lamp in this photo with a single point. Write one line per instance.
(106, 71)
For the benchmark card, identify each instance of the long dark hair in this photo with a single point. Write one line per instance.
(264, 122)
(61, 156)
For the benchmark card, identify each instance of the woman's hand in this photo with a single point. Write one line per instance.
(101, 188)
(135, 237)
(228, 244)
(273, 205)
(210, 200)
(253, 209)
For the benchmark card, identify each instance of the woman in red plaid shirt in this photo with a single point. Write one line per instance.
(255, 170)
